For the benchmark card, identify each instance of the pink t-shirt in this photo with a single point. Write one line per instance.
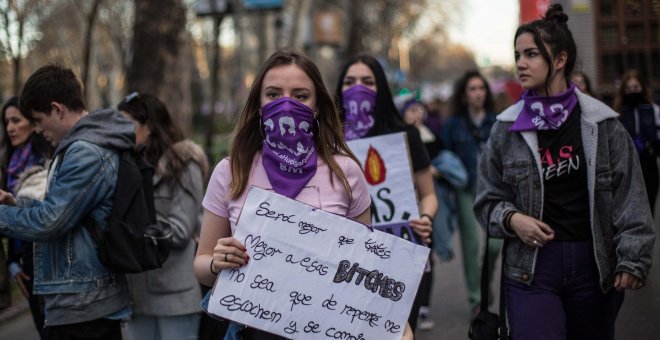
(318, 192)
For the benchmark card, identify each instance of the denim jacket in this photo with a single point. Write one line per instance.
(621, 224)
(81, 182)
(459, 138)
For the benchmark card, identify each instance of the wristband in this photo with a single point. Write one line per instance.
(426, 215)
(211, 267)
(507, 220)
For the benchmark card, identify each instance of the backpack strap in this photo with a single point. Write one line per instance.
(502, 329)
(93, 228)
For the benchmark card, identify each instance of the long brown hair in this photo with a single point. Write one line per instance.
(248, 137)
(149, 110)
(621, 91)
(459, 101)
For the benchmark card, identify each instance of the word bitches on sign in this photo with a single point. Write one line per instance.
(317, 275)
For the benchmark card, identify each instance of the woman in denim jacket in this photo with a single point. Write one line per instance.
(465, 134)
(560, 181)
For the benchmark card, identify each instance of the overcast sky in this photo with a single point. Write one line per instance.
(488, 30)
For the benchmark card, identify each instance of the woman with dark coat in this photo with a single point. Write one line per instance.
(25, 176)
(165, 300)
(641, 118)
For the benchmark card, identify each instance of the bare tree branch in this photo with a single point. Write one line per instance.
(87, 50)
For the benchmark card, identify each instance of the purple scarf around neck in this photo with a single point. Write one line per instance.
(545, 112)
(21, 159)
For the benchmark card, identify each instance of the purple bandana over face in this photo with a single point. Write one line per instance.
(288, 153)
(359, 106)
(545, 113)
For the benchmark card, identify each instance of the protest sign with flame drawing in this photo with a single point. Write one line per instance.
(386, 163)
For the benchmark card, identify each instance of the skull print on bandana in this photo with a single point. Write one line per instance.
(545, 112)
(359, 106)
(288, 153)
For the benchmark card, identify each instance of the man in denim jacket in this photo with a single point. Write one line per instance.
(83, 298)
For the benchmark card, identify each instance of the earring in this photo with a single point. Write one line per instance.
(316, 129)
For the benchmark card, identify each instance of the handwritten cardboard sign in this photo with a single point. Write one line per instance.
(402, 230)
(386, 164)
(317, 275)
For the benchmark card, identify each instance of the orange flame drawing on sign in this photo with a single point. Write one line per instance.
(374, 169)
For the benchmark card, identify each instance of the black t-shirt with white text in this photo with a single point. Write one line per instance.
(566, 196)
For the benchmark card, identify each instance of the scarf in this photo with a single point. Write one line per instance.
(288, 152)
(359, 105)
(21, 159)
(545, 112)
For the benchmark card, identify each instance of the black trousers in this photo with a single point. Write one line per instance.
(99, 329)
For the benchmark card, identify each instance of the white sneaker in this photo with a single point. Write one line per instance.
(425, 325)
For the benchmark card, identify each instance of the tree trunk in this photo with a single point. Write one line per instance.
(162, 56)
(215, 84)
(17, 56)
(355, 42)
(87, 49)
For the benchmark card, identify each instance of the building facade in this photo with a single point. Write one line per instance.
(613, 36)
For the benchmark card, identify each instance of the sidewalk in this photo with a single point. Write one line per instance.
(19, 306)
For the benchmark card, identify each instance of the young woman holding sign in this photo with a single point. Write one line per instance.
(287, 95)
(559, 179)
(367, 108)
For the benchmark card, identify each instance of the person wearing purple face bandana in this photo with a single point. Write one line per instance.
(641, 118)
(367, 107)
(359, 104)
(560, 181)
(288, 139)
(288, 152)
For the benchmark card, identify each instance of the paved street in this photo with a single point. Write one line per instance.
(638, 319)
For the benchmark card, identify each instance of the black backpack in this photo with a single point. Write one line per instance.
(133, 241)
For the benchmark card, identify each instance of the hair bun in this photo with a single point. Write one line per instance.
(556, 13)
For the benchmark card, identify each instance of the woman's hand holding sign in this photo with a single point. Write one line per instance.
(229, 253)
(422, 226)
(217, 249)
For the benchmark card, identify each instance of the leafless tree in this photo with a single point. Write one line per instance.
(17, 16)
(87, 51)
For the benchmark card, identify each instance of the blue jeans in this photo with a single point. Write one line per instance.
(564, 300)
